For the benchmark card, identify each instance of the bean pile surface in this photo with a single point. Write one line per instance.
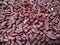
(29, 22)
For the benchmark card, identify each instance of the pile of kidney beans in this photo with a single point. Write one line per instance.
(29, 22)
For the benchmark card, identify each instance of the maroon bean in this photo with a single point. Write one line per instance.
(52, 36)
(19, 42)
